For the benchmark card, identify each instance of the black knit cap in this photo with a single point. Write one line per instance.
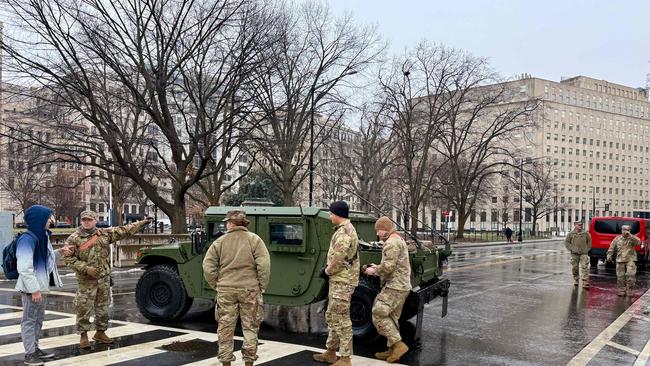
(340, 209)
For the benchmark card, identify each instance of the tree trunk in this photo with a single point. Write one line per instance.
(462, 218)
(413, 212)
(177, 217)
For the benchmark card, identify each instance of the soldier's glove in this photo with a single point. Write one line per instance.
(609, 258)
(91, 272)
(323, 274)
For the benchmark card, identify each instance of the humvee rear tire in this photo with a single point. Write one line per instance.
(593, 261)
(361, 310)
(161, 295)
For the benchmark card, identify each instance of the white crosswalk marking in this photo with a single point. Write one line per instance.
(267, 351)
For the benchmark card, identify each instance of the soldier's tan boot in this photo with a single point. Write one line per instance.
(398, 350)
(384, 355)
(101, 337)
(328, 356)
(343, 361)
(83, 342)
(621, 292)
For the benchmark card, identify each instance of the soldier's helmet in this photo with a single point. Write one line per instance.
(237, 217)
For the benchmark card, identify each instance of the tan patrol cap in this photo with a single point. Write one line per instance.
(89, 215)
(236, 216)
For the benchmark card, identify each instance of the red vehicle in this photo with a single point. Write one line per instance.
(603, 230)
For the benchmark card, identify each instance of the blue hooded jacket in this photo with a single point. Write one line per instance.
(35, 258)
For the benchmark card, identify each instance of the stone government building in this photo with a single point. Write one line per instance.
(596, 136)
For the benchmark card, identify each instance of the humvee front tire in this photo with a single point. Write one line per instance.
(161, 295)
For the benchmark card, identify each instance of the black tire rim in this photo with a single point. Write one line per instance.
(160, 294)
(359, 312)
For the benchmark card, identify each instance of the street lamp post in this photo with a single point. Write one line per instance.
(311, 150)
(521, 204)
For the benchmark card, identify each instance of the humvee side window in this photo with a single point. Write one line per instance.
(217, 229)
(286, 234)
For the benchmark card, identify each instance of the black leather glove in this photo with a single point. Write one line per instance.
(322, 273)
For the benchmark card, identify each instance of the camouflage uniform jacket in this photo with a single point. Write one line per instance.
(88, 254)
(624, 248)
(395, 267)
(238, 259)
(578, 242)
(343, 247)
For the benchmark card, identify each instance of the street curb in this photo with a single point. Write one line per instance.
(494, 244)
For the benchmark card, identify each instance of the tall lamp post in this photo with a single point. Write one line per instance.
(521, 191)
(521, 203)
(311, 150)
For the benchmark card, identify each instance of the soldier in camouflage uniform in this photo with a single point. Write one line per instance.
(623, 247)
(238, 267)
(395, 274)
(90, 262)
(343, 272)
(578, 242)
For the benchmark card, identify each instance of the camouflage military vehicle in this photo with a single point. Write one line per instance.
(298, 241)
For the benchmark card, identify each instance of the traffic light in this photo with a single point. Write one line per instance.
(607, 207)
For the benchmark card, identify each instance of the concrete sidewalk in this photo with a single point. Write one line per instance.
(504, 243)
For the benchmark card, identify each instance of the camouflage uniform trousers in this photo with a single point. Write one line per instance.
(386, 312)
(580, 263)
(92, 297)
(625, 274)
(338, 318)
(246, 304)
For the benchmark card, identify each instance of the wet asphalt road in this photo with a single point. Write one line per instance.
(508, 305)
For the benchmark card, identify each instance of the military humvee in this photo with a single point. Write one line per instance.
(298, 241)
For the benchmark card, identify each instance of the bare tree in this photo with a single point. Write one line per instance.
(484, 125)
(314, 53)
(368, 159)
(173, 69)
(26, 176)
(64, 194)
(538, 190)
(415, 90)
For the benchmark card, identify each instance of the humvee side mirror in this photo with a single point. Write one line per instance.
(199, 240)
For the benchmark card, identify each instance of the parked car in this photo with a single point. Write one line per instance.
(62, 225)
(21, 225)
(102, 224)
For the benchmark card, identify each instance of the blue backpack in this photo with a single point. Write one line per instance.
(9, 260)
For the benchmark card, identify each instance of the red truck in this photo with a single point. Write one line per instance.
(604, 229)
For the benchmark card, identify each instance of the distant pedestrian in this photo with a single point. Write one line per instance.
(508, 234)
(623, 248)
(394, 272)
(238, 267)
(36, 265)
(578, 242)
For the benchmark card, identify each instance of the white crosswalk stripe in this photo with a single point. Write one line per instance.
(145, 342)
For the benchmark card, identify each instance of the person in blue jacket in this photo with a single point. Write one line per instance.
(36, 264)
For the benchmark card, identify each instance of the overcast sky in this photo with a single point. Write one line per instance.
(549, 39)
